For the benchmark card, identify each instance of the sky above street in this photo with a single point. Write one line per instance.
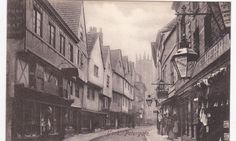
(129, 26)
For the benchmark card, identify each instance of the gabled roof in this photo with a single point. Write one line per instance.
(165, 30)
(125, 61)
(105, 51)
(114, 58)
(70, 11)
(162, 36)
(91, 40)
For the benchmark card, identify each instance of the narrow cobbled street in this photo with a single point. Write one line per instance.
(137, 134)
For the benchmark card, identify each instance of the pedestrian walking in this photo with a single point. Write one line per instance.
(175, 128)
(170, 126)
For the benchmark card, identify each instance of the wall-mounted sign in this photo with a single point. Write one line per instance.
(225, 10)
(211, 55)
(15, 18)
(162, 94)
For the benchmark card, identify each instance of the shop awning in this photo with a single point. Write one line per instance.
(168, 100)
(211, 78)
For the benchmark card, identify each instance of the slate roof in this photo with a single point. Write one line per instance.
(70, 11)
(105, 51)
(91, 40)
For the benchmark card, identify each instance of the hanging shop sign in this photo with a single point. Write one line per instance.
(15, 18)
(162, 94)
(211, 55)
(225, 10)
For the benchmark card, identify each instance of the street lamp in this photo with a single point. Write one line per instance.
(185, 55)
(149, 100)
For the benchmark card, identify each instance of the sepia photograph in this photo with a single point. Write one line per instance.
(118, 70)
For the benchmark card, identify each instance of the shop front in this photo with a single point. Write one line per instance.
(214, 106)
(92, 121)
(38, 116)
(114, 117)
(72, 120)
(204, 106)
(168, 118)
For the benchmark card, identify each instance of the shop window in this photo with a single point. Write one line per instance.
(69, 119)
(52, 34)
(37, 21)
(49, 120)
(62, 45)
(30, 122)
